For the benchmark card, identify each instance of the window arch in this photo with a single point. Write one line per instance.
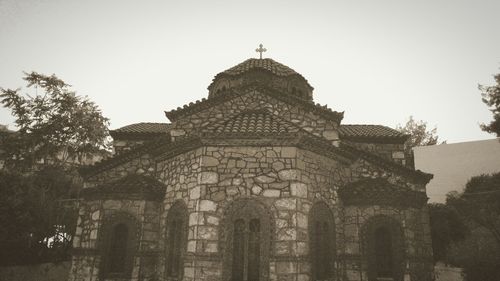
(321, 241)
(176, 240)
(383, 248)
(118, 243)
(247, 229)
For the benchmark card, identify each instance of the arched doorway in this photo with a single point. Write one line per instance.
(384, 249)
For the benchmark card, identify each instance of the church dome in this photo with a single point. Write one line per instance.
(261, 72)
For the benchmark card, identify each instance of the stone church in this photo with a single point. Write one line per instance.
(256, 182)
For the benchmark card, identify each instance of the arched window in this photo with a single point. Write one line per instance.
(176, 240)
(247, 243)
(118, 245)
(118, 249)
(383, 247)
(321, 241)
(246, 250)
(383, 252)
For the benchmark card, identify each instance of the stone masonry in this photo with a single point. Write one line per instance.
(258, 151)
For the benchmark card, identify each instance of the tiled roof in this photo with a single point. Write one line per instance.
(380, 192)
(417, 175)
(370, 133)
(204, 104)
(256, 122)
(270, 65)
(143, 129)
(129, 186)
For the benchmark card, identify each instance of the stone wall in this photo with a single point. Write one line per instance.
(124, 145)
(416, 235)
(285, 180)
(307, 120)
(141, 165)
(36, 272)
(88, 241)
(390, 151)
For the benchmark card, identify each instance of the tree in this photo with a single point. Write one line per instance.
(36, 227)
(479, 205)
(419, 134)
(447, 227)
(57, 130)
(491, 97)
(55, 126)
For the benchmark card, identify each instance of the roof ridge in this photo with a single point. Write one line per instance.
(202, 104)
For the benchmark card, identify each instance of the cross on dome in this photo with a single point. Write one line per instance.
(260, 50)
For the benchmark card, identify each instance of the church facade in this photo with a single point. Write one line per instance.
(255, 183)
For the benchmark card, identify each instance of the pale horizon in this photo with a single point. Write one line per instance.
(378, 62)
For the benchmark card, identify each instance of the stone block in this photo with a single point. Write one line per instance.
(282, 247)
(207, 206)
(287, 234)
(301, 248)
(285, 267)
(289, 174)
(93, 234)
(281, 223)
(256, 189)
(189, 272)
(211, 247)
(195, 218)
(208, 178)
(112, 204)
(286, 204)
(298, 189)
(271, 193)
(398, 155)
(264, 179)
(301, 220)
(209, 161)
(330, 134)
(232, 190)
(194, 193)
(177, 133)
(278, 166)
(288, 152)
(207, 232)
(212, 220)
(95, 215)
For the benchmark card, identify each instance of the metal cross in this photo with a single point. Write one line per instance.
(260, 50)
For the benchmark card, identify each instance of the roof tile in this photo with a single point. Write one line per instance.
(259, 121)
(268, 64)
(370, 132)
(141, 129)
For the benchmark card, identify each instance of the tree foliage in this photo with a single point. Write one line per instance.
(491, 97)
(447, 227)
(479, 206)
(57, 130)
(36, 224)
(480, 203)
(419, 134)
(54, 124)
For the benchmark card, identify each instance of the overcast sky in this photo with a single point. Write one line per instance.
(379, 61)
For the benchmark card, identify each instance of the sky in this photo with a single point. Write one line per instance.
(378, 61)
